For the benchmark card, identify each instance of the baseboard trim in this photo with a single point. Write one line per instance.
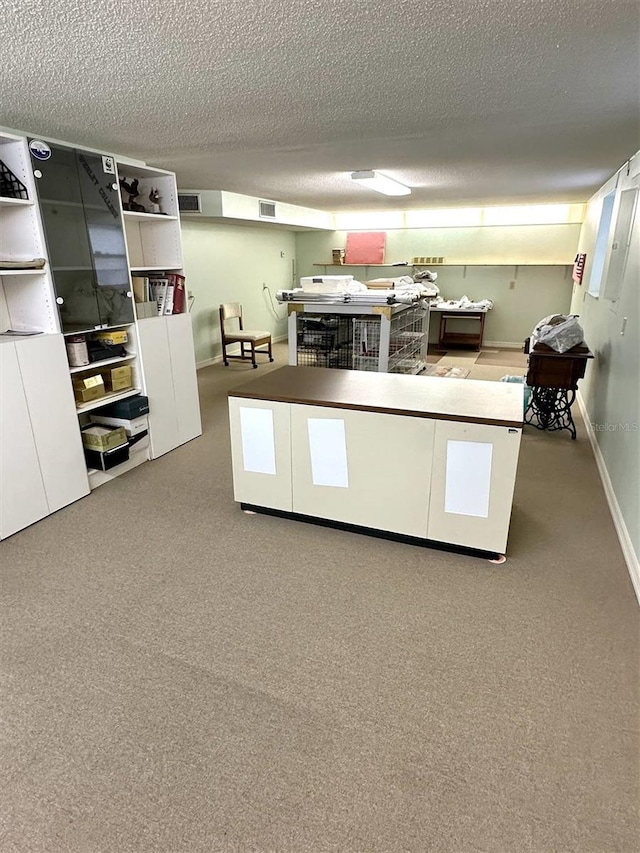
(217, 359)
(504, 344)
(628, 551)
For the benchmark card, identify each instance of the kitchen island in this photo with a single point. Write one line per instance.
(428, 459)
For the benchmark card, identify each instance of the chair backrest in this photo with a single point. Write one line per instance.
(228, 311)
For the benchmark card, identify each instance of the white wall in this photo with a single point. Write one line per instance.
(611, 388)
(230, 263)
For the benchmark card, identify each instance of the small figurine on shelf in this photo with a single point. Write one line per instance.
(132, 191)
(154, 198)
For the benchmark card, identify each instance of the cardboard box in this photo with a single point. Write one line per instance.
(88, 388)
(146, 309)
(112, 337)
(380, 284)
(103, 460)
(132, 426)
(118, 378)
(132, 407)
(99, 437)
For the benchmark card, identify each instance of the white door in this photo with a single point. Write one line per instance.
(261, 452)
(52, 411)
(362, 468)
(472, 483)
(185, 382)
(158, 383)
(22, 495)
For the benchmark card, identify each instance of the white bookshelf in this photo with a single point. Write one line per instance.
(27, 298)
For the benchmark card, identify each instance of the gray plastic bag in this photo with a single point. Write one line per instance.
(561, 332)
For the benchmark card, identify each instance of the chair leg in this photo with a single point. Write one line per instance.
(270, 353)
(253, 355)
(224, 355)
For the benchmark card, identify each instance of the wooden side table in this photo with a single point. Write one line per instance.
(448, 338)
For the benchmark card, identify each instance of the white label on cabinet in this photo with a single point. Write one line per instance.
(468, 478)
(328, 450)
(258, 442)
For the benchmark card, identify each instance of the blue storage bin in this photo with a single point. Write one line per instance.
(520, 381)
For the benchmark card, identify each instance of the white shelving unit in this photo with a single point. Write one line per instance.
(166, 350)
(27, 299)
(42, 462)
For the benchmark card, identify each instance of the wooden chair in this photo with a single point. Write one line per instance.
(247, 339)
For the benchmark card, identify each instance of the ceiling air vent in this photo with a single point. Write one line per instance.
(189, 203)
(267, 209)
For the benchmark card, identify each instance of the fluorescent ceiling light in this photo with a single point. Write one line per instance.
(380, 183)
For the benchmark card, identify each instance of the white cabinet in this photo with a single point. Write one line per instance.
(261, 452)
(474, 473)
(416, 456)
(84, 245)
(43, 465)
(168, 364)
(362, 468)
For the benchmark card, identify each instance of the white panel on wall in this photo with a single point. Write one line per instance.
(468, 478)
(258, 441)
(328, 449)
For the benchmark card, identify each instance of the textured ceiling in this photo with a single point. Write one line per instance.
(491, 101)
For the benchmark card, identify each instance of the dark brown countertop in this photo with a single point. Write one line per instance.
(471, 400)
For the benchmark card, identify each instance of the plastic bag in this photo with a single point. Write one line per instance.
(560, 332)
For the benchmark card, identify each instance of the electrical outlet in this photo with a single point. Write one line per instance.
(512, 285)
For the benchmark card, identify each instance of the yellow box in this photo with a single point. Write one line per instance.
(88, 388)
(112, 337)
(118, 378)
(97, 437)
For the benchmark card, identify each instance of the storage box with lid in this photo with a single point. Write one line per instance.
(100, 437)
(88, 388)
(118, 378)
(112, 337)
(132, 407)
(325, 283)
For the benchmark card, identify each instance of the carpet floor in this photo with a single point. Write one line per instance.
(180, 677)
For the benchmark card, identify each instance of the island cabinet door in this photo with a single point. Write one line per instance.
(261, 452)
(362, 468)
(474, 472)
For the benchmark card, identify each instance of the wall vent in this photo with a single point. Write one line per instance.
(267, 209)
(190, 203)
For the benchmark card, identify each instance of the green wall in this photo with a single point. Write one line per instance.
(523, 292)
(611, 387)
(230, 263)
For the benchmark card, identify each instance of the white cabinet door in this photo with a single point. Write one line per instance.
(472, 483)
(261, 452)
(362, 468)
(170, 381)
(185, 382)
(45, 376)
(158, 384)
(22, 495)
